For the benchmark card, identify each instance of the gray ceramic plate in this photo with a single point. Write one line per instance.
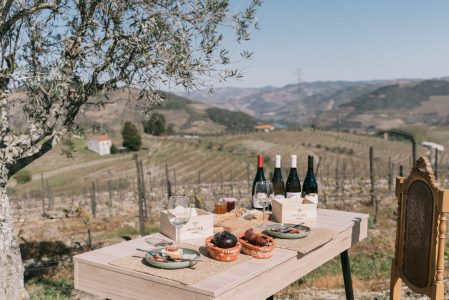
(303, 231)
(190, 254)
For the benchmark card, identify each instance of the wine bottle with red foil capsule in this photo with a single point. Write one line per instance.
(260, 176)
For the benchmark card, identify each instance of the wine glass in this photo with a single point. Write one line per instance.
(264, 194)
(179, 211)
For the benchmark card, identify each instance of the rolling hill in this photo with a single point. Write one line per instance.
(344, 104)
(187, 116)
(424, 102)
(397, 96)
(291, 104)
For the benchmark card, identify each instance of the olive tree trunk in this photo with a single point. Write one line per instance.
(11, 267)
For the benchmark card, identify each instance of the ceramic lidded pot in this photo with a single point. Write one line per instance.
(222, 254)
(254, 250)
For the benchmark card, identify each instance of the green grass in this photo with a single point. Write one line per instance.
(49, 289)
(363, 265)
(81, 147)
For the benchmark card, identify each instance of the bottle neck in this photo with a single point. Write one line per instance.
(293, 162)
(277, 164)
(293, 173)
(260, 162)
(310, 163)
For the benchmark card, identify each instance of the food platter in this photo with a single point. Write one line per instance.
(189, 258)
(288, 231)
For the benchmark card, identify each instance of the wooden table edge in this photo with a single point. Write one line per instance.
(141, 275)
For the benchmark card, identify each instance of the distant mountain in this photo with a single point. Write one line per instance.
(398, 96)
(307, 109)
(338, 103)
(293, 103)
(393, 105)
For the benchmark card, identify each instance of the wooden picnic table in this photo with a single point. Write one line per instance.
(252, 279)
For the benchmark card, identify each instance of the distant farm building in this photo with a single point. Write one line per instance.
(433, 146)
(100, 144)
(264, 127)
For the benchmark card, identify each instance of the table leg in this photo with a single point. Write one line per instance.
(347, 275)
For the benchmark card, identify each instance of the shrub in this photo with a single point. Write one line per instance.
(233, 121)
(170, 129)
(114, 149)
(23, 176)
(131, 137)
(155, 125)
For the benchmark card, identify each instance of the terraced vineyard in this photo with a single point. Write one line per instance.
(224, 158)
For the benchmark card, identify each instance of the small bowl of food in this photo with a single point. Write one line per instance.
(223, 246)
(256, 244)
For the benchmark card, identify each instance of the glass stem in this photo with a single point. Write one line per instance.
(263, 220)
(178, 236)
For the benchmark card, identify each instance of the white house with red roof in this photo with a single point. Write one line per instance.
(264, 127)
(100, 144)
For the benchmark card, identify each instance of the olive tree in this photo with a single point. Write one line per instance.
(65, 55)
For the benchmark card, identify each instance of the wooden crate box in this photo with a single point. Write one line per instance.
(290, 211)
(199, 226)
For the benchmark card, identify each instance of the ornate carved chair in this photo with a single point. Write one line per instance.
(420, 235)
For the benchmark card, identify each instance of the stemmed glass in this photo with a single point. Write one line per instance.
(179, 211)
(264, 194)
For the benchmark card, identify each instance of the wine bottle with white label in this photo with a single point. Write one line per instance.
(278, 181)
(293, 186)
(310, 185)
(260, 176)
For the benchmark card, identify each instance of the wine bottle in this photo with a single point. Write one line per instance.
(260, 176)
(293, 186)
(278, 182)
(310, 184)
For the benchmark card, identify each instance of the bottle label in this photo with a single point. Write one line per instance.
(279, 197)
(311, 198)
(294, 196)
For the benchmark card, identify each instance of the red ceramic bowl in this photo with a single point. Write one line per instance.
(222, 254)
(257, 251)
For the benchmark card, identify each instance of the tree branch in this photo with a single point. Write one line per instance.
(37, 153)
(24, 13)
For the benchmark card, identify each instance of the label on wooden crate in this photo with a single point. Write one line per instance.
(291, 211)
(194, 227)
(199, 226)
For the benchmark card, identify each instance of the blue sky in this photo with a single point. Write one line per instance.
(347, 40)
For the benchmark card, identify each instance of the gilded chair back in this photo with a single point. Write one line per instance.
(420, 234)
